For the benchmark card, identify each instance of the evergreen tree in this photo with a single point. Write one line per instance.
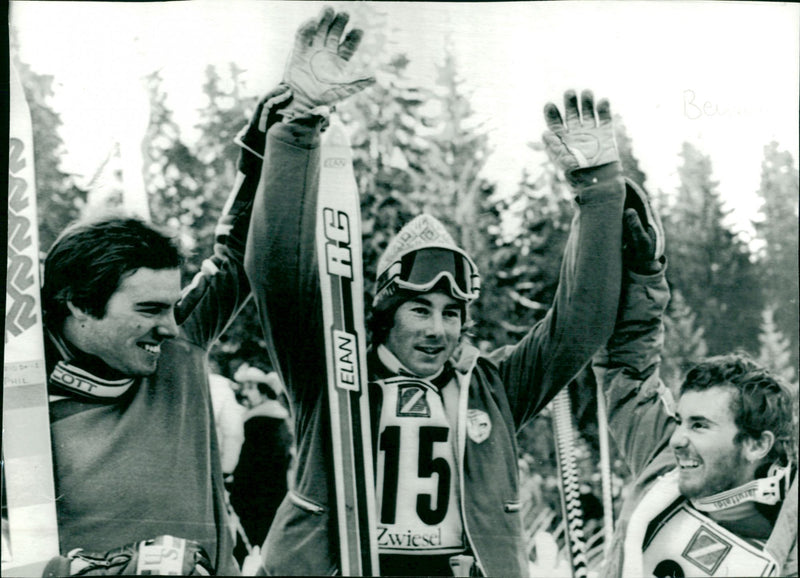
(526, 254)
(630, 164)
(172, 174)
(388, 129)
(684, 344)
(709, 264)
(226, 112)
(414, 149)
(188, 188)
(59, 200)
(777, 229)
(454, 189)
(388, 157)
(775, 353)
(459, 151)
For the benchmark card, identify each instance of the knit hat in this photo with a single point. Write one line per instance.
(419, 258)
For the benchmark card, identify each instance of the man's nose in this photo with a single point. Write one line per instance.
(436, 325)
(167, 326)
(678, 438)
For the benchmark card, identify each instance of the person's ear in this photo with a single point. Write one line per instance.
(757, 448)
(78, 313)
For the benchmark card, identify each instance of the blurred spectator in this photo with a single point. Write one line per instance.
(229, 421)
(260, 479)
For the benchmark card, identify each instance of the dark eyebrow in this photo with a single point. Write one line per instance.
(695, 418)
(422, 300)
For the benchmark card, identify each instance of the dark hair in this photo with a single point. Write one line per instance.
(379, 324)
(90, 259)
(761, 402)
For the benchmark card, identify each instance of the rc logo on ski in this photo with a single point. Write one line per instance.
(338, 259)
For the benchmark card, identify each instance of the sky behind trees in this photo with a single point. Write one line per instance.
(721, 75)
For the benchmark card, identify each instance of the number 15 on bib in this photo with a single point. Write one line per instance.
(342, 285)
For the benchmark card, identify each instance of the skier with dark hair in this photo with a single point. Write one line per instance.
(444, 417)
(711, 494)
(135, 454)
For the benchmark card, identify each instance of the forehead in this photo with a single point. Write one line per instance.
(151, 285)
(713, 403)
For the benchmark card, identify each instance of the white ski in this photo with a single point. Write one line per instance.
(30, 534)
(342, 285)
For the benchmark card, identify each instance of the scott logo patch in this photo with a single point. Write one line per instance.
(479, 426)
(411, 402)
(706, 550)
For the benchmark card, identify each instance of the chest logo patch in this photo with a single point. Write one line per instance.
(479, 426)
(411, 402)
(706, 550)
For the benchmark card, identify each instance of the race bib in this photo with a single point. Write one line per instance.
(417, 490)
(687, 543)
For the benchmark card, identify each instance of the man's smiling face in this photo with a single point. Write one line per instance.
(709, 460)
(139, 316)
(425, 332)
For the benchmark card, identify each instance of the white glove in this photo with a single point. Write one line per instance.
(583, 140)
(317, 67)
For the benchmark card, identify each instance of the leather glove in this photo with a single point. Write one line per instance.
(317, 67)
(164, 555)
(253, 136)
(642, 232)
(583, 138)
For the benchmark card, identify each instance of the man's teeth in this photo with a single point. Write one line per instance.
(688, 463)
(151, 348)
(431, 350)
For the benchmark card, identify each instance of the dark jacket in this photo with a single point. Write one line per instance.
(259, 480)
(147, 463)
(511, 385)
(639, 420)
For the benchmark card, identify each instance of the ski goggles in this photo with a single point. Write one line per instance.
(422, 270)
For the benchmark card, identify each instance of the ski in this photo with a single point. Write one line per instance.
(30, 532)
(338, 237)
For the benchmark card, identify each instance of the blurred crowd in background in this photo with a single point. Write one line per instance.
(251, 415)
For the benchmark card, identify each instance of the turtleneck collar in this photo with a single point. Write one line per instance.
(85, 361)
(85, 375)
(389, 360)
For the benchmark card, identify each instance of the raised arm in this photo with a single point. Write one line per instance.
(281, 257)
(581, 318)
(220, 289)
(627, 368)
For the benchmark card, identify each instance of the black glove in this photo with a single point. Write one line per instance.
(164, 555)
(642, 233)
(253, 136)
(231, 229)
